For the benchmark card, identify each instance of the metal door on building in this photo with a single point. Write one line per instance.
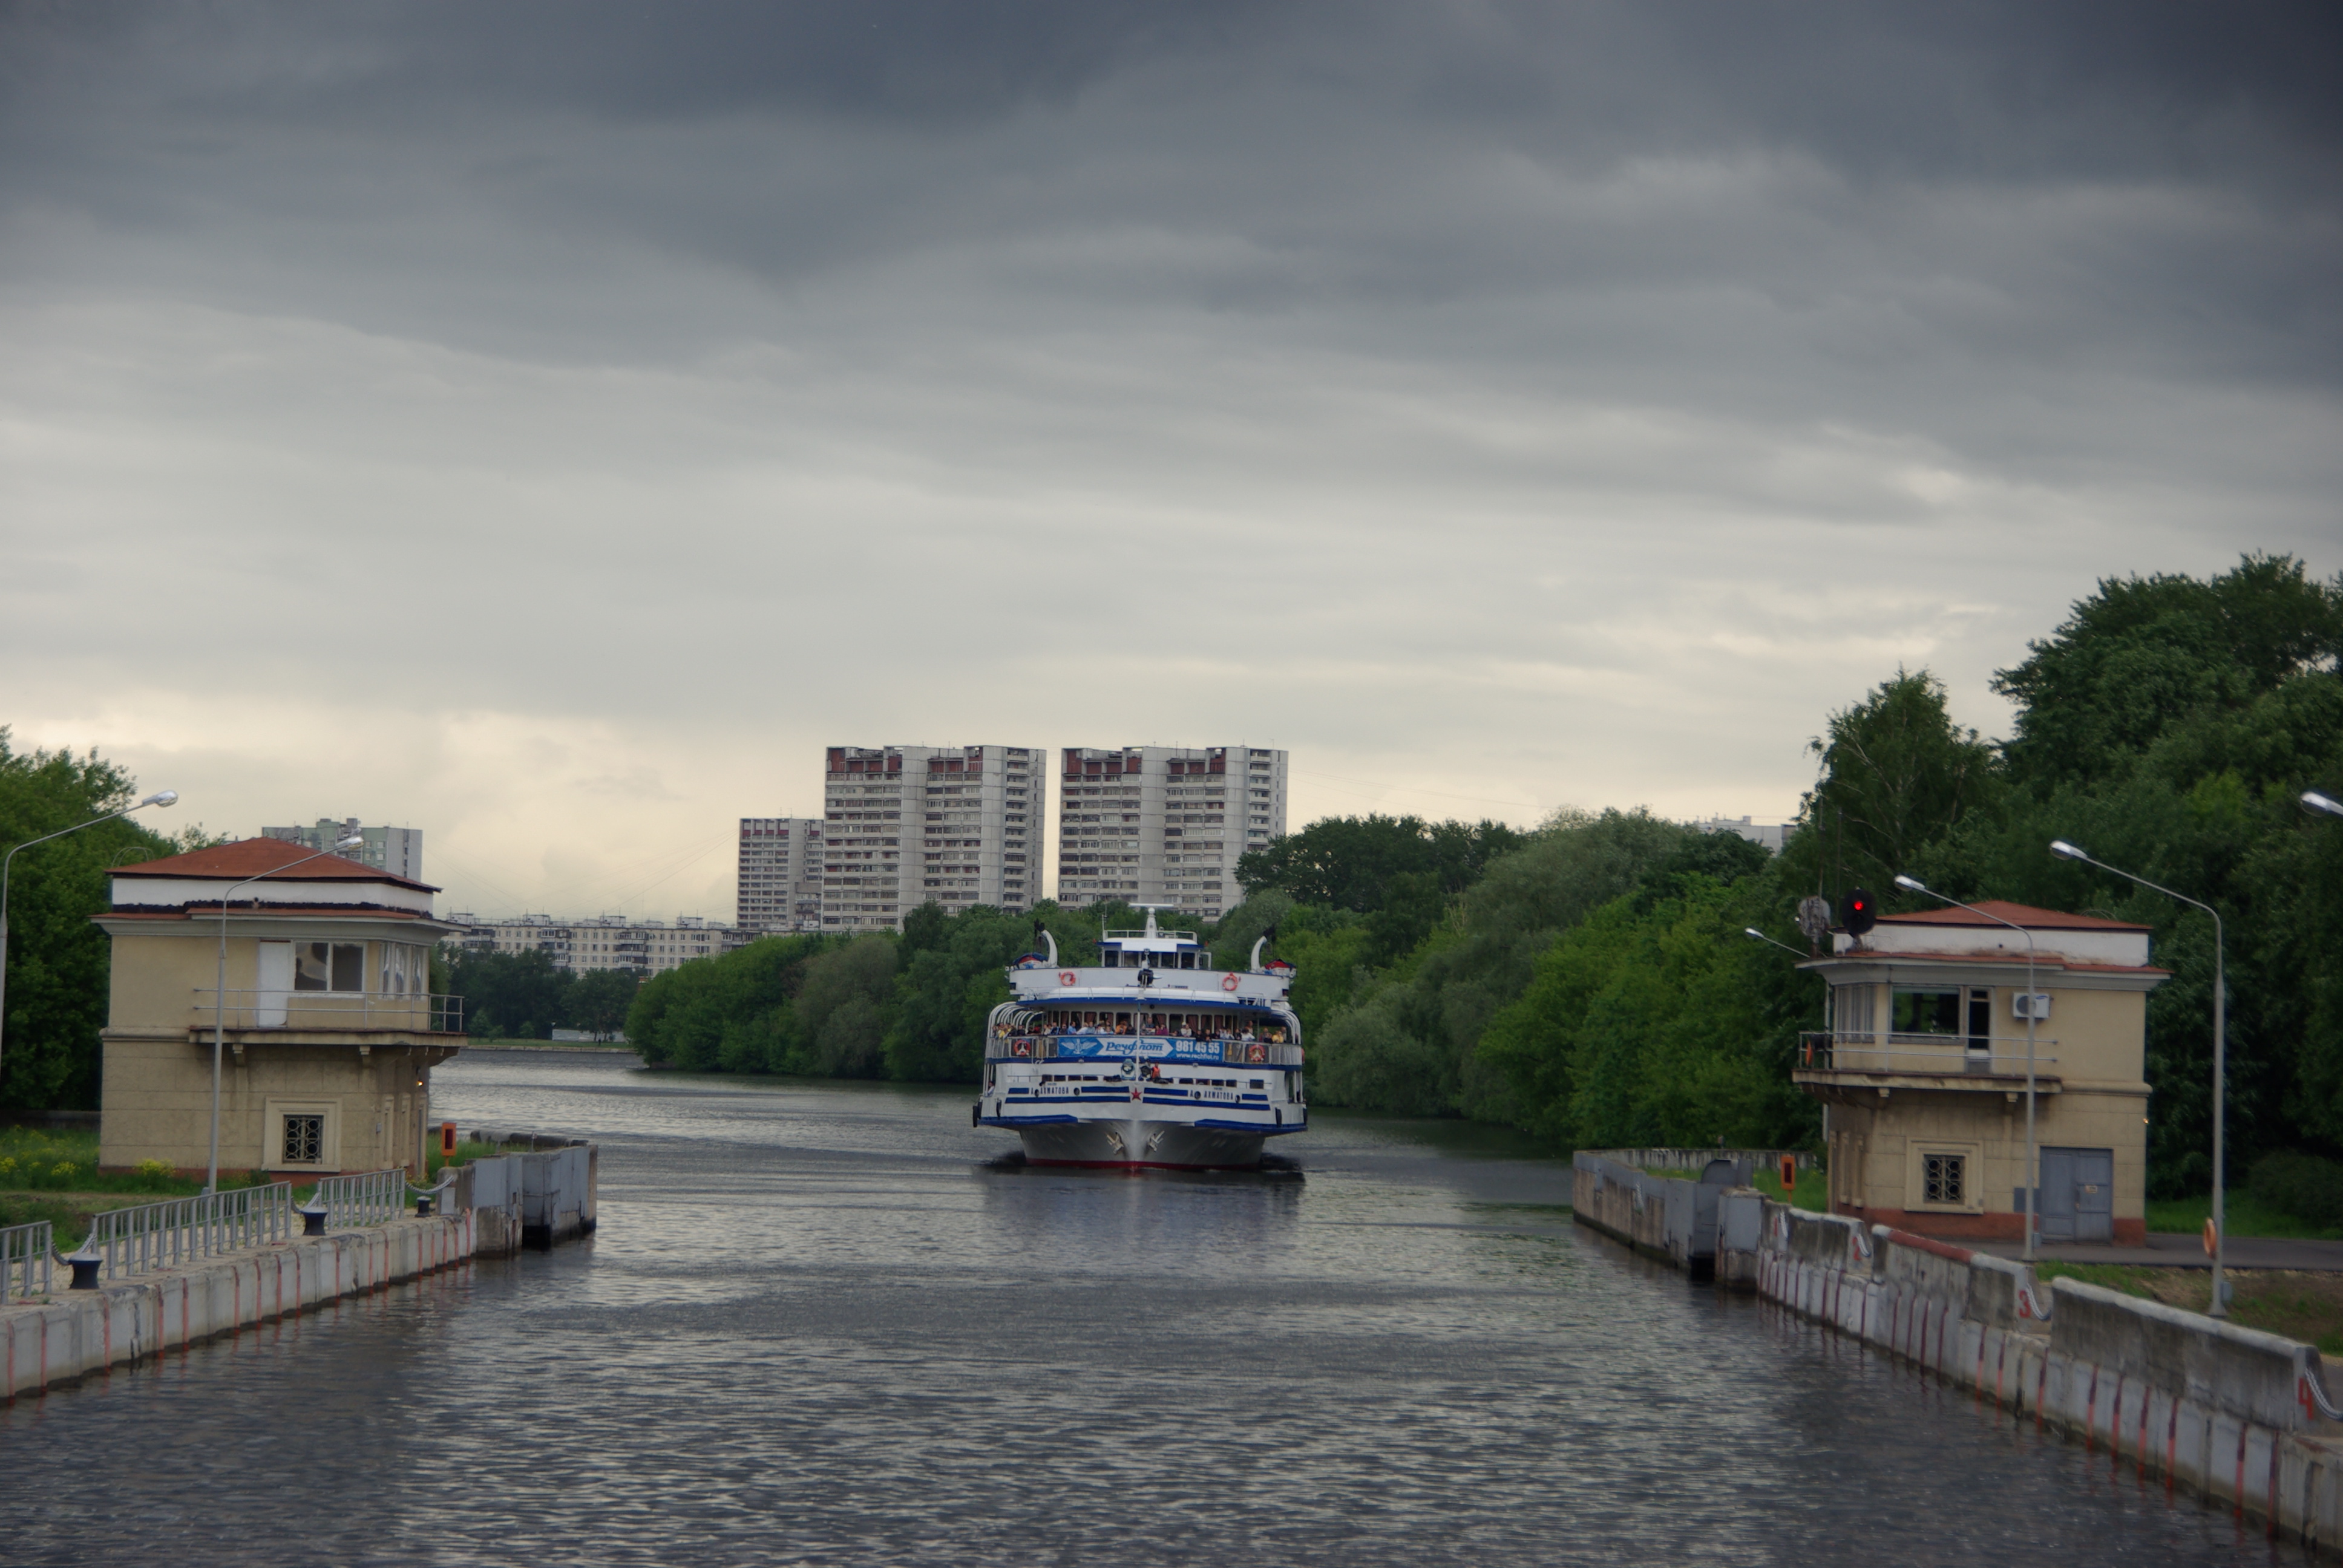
(2078, 1195)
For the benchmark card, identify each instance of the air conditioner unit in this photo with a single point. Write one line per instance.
(2035, 1006)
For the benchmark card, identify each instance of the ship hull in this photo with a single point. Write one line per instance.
(1132, 1143)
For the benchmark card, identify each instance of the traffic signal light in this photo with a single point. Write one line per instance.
(1857, 913)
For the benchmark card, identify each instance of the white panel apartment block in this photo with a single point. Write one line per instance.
(780, 875)
(605, 942)
(1165, 824)
(398, 850)
(907, 825)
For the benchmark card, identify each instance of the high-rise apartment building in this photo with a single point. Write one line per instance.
(398, 850)
(905, 825)
(1165, 824)
(781, 875)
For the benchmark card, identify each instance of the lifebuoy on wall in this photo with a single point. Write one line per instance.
(1066, 976)
(1227, 982)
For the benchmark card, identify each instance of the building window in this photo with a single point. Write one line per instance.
(329, 966)
(1927, 1012)
(1944, 1179)
(305, 1138)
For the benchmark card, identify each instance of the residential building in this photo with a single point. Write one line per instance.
(781, 875)
(1771, 834)
(398, 850)
(601, 943)
(1165, 824)
(328, 1030)
(907, 825)
(1922, 1073)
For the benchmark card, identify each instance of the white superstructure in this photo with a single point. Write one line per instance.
(1148, 1055)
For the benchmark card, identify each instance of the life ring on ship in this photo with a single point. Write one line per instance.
(1227, 982)
(1066, 976)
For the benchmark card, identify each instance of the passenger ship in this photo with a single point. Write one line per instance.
(1149, 1058)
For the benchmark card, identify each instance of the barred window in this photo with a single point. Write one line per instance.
(1943, 1178)
(305, 1139)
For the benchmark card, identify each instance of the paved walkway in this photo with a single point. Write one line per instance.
(2186, 1250)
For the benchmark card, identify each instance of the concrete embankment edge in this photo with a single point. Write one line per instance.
(76, 1333)
(2226, 1411)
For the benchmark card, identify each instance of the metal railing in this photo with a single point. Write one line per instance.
(1948, 1055)
(423, 1012)
(25, 1252)
(1098, 1047)
(370, 1198)
(182, 1230)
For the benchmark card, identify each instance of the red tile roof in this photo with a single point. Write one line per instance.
(2017, 914)
(252, 856)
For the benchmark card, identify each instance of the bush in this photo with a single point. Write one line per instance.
(2306, 1186)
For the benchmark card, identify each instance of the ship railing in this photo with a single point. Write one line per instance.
(1146, 1047)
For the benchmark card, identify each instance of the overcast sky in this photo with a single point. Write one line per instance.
(549, 426)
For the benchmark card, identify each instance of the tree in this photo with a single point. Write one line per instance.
(1897, 775)
(516, 996)
(1348, 862)
(57, 958)
(597, 1001)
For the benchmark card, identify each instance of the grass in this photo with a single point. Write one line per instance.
(2247, 1216)
(2301, 1305)
(466, 1153)
(1812, 1192)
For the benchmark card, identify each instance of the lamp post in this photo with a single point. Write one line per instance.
(2066, 851)
(2032, 1006)
(219, 986)
(2317, 802)
(9, 862)
(1753, 932)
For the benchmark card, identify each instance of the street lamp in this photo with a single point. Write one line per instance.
(2032, 1006)
(7, 863)
(219, 985)
(2066, 851)
(1753, 932)
(2317, 802)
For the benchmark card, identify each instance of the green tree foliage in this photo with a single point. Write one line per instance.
(1655, 1021)
(1406, 1039)
(509, 996)
(57, 959)
(1350, 862)
(597, 1001)
(1897, 775)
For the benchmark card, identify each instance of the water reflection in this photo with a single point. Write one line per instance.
(824, 1322)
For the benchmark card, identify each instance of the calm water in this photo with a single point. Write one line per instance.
(817, 1325)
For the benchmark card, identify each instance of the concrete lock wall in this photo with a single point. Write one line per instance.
(72, 1333)
(558, 1193)
(1671, 1219)
(2231, 1411)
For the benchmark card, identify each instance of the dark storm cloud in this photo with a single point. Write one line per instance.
(1488, 337)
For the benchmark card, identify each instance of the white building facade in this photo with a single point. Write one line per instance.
(907, 825)
(605, 942)
(398, 850)
(781, 875)
(1165, 824)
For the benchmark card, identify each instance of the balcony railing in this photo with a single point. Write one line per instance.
(183, 1230)
(1948, 1055)
(416, 1011)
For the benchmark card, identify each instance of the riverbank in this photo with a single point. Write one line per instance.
(70, 1334)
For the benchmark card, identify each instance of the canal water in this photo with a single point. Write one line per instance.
(825, 1323)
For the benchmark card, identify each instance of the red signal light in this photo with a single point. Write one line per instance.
(1856, 913)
